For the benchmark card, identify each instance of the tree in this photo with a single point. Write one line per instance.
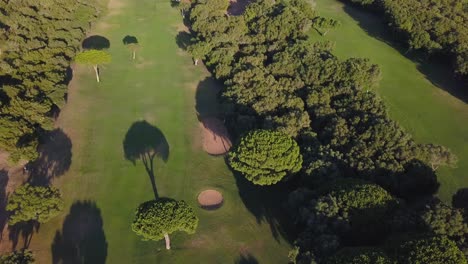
(325, 24)
(430, 250)
(18, 257)
(265, 157)
(94, 58)
(199, 50)
(460, 198)
(360, 256)
(34, 203)
(132, 43)
(156, 219)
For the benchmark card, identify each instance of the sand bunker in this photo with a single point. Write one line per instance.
(210, 199)
(215, 136)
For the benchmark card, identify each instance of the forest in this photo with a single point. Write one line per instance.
(38, 40)
(433, 26)
(365, 189)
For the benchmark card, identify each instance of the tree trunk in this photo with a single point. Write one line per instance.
(97, 72)
(168, 241)
(134, 54)
(196, 62)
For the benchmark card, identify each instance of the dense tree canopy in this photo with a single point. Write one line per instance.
(18, 257)
(156, 219)
(359, 166)
(430, 250)
(38, 40)
(265, 157)
(431, 25)
(35, 203)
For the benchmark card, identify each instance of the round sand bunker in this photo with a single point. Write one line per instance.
(210, 199)
(216, 139)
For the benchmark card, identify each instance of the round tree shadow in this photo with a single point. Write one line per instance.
(96, 42)
(129, 40)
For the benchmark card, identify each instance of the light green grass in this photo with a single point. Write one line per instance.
(425, 110)
(159, 87)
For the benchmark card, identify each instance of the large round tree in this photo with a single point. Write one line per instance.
(265, 157)
(34, 203)
(156, 219)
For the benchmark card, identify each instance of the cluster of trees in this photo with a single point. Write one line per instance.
(38, 39)
(430, 25)
(363, 182)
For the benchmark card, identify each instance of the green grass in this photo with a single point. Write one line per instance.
(159, 87)
(420, 105)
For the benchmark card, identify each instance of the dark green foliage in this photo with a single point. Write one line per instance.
(155, 218)
(38, 41)
(277, 79)
(265, 157)
(360, 256)
(34, 203)
(430, 250)
(430, 25)
(344, 212)
(18, 257)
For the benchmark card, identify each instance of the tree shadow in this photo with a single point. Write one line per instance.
(183, 39)
(55, 157)
(144, 141)
(3, 200)
(207, 98)
(436, 69)
(23, 231)
(129, 40)
(267, 203)
(96, 42)
(82, 239)
(460, 199)
(246, 258)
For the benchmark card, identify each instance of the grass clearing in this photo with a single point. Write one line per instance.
(418, 95)
(157, 87)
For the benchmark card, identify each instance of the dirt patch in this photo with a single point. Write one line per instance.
(216, 139)
(210, 199)
(115, 7)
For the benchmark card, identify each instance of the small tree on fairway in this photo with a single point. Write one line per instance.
(94, 58)
(264, 157)
(132, 44)
(156, 219)
(324, 24)
(35, 203)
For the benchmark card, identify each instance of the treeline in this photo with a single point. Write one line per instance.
(38, 39)
(359, 167)
(434, 26)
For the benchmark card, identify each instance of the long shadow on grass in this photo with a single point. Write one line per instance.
(23, 231)
(183, 39)
(436, 70)
(55, 158)
(144, 142)
(82, 238)
(206, 98)
(267, 203)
